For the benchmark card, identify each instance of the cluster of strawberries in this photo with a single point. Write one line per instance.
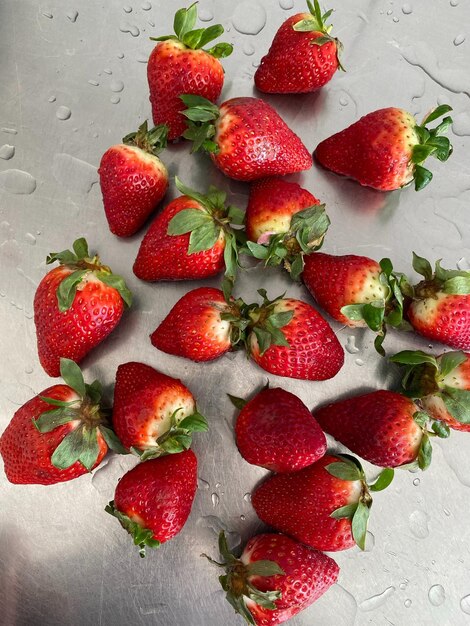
(314, 500)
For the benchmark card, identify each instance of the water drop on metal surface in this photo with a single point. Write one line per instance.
(286, 4)
(459, 39)
(249, 18)
(145, 6)
(202, 484)
(408, 603)
(454, 3)
(127, 9)
(372, 603)
(419, 524)
(108, 71)
(465, 604)
(120, 55)
(215, 499)
(416, 482)
(343, 101)
(248, 49)
(359, 362)
(115, 99)
(437, 595)
(407, 9)
(48, 15)
(9, 131)
(94, 83)
(396, 19)
(7, 152)
(351, 345)
(52, 99)
(247, 497)
(117, 86)
(63, 113)
(404, 584)
(72, 15)
(205, 15)
(17, 182)
(30, 238)
(129, 28)
(370, 542)
(28, 369)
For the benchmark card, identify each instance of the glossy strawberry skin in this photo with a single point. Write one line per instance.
(375, 151)
(193, 328)
(158, 494)
(294, 64)
(95, 312)
(314, 352)
(308, 574)
(254, 142)
(133, 182)
(144, 401)
(336, 281)
(173, 70)
(271, 205)
(165, 257)
(378, 426)
(277, 431)
(27, 453)
(300, 504)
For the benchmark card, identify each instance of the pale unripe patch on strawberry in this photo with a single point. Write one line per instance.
(164, 410)
(144, 157)
(425, 310)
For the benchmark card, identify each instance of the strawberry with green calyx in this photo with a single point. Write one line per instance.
(191, 238)
(133, 179)
(179, 64)
(245, 137)
(303, 55)
(76, 306)
(60, 434)
(358, 291)
(383, 427)
(153, 500)
(440, 305)
(283, 223)
(386, 149)
(274, 578)
(153, 414)
(325, 505)
(441, 385)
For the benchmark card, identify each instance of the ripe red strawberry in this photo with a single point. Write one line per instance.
(76, 306)
(325, 505)
(153, 500)
(245, 138)
(277, 431)
(386, 149)
(303, 56)
(306, 348)
(283, 223)
(133, 179)
(190, 239)
(178, 65)
(356, 291)
(153, 414)
(440, 306)
(441, 384)
(59, 434)
(275, 578)
(383, 427)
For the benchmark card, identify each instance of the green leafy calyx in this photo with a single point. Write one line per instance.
(143, 537)
(452, 282)
(201, 115)
(316, 22)
(152, 141)
(266, 324)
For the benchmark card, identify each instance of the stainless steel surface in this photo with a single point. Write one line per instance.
(73, 79)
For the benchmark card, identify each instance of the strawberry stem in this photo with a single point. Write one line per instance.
(152, 141)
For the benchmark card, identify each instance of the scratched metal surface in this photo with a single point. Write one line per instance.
(73, 79)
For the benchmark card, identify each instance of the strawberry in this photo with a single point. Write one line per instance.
(179, 65)
(153, 413)
(59, 434)
(133, 179)
(386, 149)
(76, 306)
(245, 137)
(440, 306)
(277, 431)
(153, 500)
(275, 578)
(191, 238)
(283, 223)
(325, 505)
(357, 291)
(383, 427)
(303, 56)
(441, 384)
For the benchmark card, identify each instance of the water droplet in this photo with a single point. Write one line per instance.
(145, 6)
(416, 482)
(462, 264)
(108, 71)
(407, 9)
(30, 238)
(142, 58)
(454, 3)
(63, 113)
(389, 12)
(215, 499)
(115, 99)
(28, 369)
(10, 131)
(372, 603)
(205, 15)
(52, 99)
(447, 512)
(117, 86)
(370, 542)
(7, 152)
(419, 524)
(465, 604)
(408, 603)
(129, 28)
(127, 9)
(437, 595)
(95, 83)
(351, 345)
(343, 101)
(247, 497)
(248, 48)
(459, 40)
(359, 362)
(249, 18)
(286, 4)
(2, 294)
(396, 19)
(243, 518)
(151, 23)
(202, 484)
(72, 15)
(404, 584)
(48, 15)
(120, 55)
(17, 181)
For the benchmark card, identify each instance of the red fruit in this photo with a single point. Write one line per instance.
(190, 239)
(133, 179)
(245, 137)
(76, 306)
(59, 434)
(275, 578)
(386, 148)
(153, 413)
(153, 501)
(303, 56)
(276, 430)
(177, 66)
(440, 306)
(284, 222)
(317, 504)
